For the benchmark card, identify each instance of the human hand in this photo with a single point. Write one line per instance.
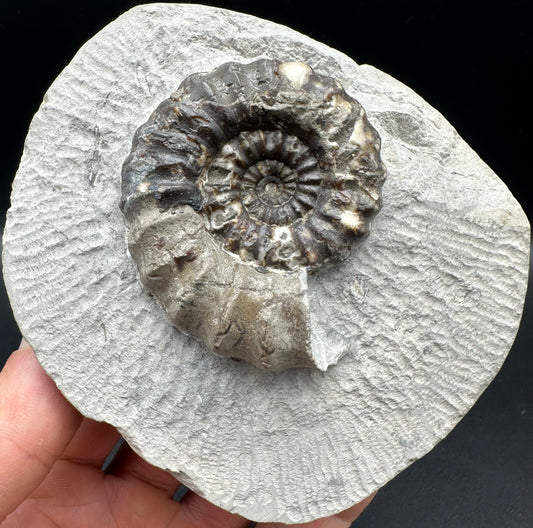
(50, 468)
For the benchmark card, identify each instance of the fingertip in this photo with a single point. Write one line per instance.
(28, 394)
(351, 514)
(24, 344)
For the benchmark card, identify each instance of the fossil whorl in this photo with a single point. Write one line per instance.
(240, 183)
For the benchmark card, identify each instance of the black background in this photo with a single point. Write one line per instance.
(470, 60)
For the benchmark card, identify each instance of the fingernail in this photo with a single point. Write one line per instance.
(24, 344)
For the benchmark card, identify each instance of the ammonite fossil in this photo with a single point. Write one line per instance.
(243, 181)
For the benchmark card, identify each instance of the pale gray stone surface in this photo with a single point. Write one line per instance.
(421, 317)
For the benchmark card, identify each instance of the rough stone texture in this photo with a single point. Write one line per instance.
(241, 183)
(424, 312)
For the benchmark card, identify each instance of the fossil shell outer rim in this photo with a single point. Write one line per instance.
(224, 145)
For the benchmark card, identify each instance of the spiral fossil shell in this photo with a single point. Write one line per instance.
(243, 181)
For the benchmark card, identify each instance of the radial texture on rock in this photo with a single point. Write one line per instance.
(418, 320)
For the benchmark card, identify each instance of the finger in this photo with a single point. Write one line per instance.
(92, 443)
(129, 465)
(343, 519)
(36, 424)
(196, 512)
(87, 498)
(352, 513)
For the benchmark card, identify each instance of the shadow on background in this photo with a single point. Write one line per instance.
(473, 62)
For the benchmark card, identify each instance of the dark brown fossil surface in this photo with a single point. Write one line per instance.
(239, 184)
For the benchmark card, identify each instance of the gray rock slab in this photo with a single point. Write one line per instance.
(421, 317)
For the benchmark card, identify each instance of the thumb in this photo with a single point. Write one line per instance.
(36, 424)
